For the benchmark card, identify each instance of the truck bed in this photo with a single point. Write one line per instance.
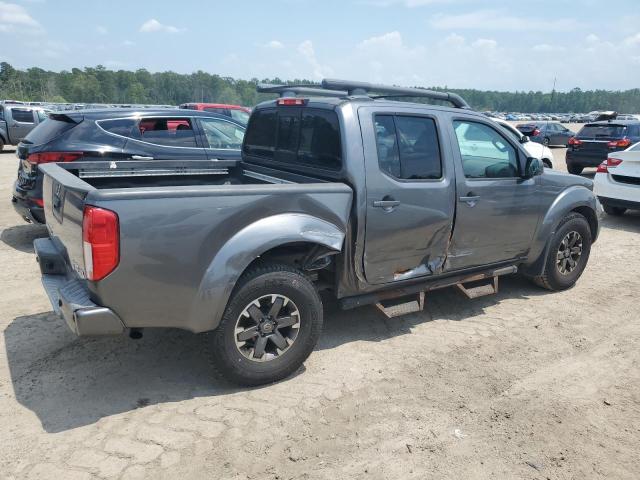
(176, 219)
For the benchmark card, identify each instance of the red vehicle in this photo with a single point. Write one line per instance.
(237, 112)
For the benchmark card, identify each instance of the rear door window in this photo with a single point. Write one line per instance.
(169, 132)
(408, 147)
(22, 115)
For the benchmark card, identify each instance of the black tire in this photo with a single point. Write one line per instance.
(547, 163)
(1, 145)
(262, 282)
(545, 142)
(615, 211)
(552, 278)
(575, 169)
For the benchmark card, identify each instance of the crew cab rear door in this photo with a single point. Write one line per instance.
(410, 193)
(497, 210)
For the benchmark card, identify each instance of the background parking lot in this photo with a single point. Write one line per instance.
(525, 384)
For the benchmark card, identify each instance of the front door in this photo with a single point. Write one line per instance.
(222, 139)
(497, 211)
(21, 123)
(410, 195)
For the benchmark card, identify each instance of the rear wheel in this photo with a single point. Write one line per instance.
(616, 211)
(545, 142)
(567, 255)
(574, 169)
(547, 163)
(270, 326)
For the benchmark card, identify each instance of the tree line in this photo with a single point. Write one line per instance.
(101, 85)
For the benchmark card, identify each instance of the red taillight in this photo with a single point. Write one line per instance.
(292, 101)
(100, 242)
(535, 133)
(624, 143)
(38, 201)
(607, 164)
(50, 157)
(574, 142)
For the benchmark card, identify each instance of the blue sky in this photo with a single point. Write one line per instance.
(489, 44)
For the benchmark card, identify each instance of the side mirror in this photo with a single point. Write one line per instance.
(533, 168)
(524, 139)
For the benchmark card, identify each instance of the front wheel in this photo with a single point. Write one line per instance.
(615, 211)
(547, 163)
(270, 326)
(567, 255)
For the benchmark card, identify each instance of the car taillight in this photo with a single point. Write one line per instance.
(292, 101)
(607, 164)
(623, 143)
(50, 157)
(100, 242)
(574, 142)
(38, 201)
(535, 133)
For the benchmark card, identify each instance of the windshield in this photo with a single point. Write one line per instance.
(603, 131)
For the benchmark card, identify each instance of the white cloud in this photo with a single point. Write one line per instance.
(496, 20)
(274, 44)
(154, 25)
(128, 43)
(13, 15)
(102, 30)
(632, 40)
(306, 50)
(484, 43)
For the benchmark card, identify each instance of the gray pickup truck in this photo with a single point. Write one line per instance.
(339, 189)
(17, 120)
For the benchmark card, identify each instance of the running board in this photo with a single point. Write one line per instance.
(399, 308)
(474, 289)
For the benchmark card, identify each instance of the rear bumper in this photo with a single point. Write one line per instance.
(579, 159)
(69, 295)
(617, 202)
(610, 191)
(24, 204)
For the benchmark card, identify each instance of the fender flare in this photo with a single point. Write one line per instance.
(233, 258)
(569, 200)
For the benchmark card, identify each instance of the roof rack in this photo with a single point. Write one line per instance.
(365, 88)
(293, 90)
(345, 88)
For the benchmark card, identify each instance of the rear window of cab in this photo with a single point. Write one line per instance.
(307, 137)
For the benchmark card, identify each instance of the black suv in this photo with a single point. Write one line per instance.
(118, 134)
(594, 141)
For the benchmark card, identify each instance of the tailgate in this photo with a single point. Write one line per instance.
(63, 194)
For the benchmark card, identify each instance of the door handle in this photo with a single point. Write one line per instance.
(140, 157)
(470, 200)
(386, 204)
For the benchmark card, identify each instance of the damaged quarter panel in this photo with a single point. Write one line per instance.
(194, 254)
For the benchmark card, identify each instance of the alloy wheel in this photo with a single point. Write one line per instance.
(267, 328)
(569, 253)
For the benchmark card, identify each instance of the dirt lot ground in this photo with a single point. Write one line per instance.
(522, 385)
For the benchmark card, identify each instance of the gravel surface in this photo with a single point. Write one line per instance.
(525, 384)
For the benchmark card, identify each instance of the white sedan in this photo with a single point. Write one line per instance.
(617, 181)
(534, 149)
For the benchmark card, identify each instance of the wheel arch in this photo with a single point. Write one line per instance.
(576, 199)
(269, 238)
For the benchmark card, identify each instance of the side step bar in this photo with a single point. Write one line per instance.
(410, 298)
(392, 309)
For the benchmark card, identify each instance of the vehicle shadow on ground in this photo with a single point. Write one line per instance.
(70, 382)
(21, 237)
(629, 222)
